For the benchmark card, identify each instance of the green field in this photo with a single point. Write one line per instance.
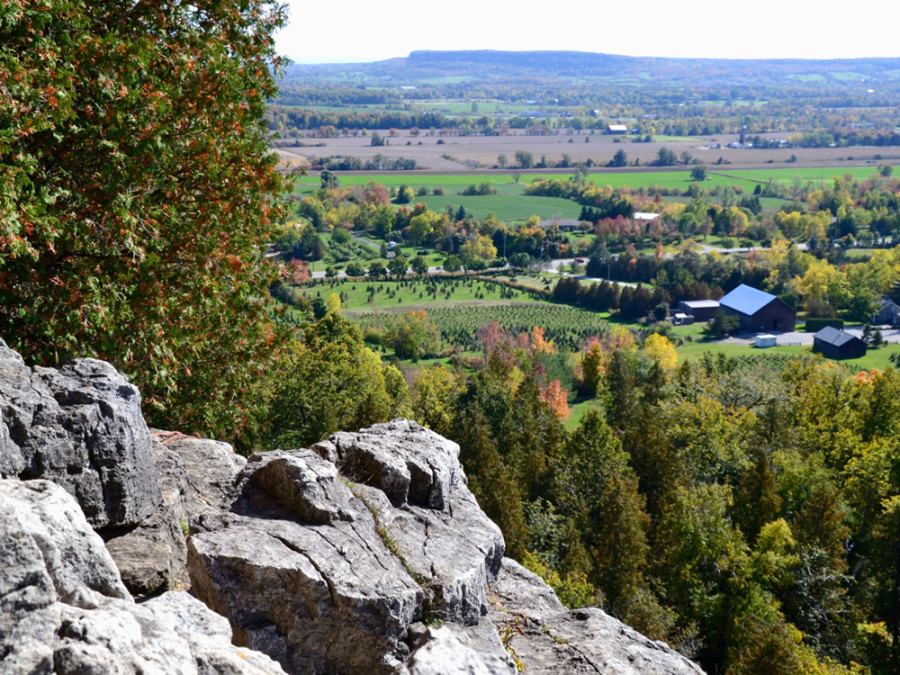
(506, 207)
(678, 178)
(394, 295)
(874, 358)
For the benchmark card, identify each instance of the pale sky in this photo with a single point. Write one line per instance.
(355, 31)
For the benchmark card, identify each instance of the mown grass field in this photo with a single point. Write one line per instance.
(394, 295)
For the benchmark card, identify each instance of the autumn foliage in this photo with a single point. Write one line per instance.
(136, 194)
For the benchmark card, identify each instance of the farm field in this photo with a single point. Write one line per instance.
(477, 152)
(368, 294)
(511, 204)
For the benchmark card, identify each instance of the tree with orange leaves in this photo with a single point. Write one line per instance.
(137, 193)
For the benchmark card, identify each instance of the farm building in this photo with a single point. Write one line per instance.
(564, 224)
(700, 310)
(838, 344)
(888, 314)
(758, 311)
(616, 129)
(764, 340)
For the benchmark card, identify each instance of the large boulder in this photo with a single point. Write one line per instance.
(326, 571)
(64, 609)
(302, 572)
(545, 637)
(80, 427)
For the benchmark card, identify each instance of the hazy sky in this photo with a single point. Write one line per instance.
(356, 31)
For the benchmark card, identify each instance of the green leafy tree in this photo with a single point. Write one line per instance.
(598, 488)
(405, 195)
(355, 269)
(698, 173)
(524, 159)
(452, 263)
(137, 193)
(330, 381)
(398, 265)
(413, 336)
(419, 265)
(619, 159)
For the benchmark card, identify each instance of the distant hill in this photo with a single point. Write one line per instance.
(430, 67)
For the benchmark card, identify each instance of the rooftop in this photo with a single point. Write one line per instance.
(834, 336)
(746, 299)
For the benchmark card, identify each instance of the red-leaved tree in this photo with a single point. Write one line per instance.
(136, 193)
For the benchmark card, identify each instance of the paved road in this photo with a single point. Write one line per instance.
(890, 335)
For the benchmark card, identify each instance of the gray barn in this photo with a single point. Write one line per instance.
(837, 344)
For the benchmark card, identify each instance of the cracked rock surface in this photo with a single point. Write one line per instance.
(326, 574)
(80, 427)
(548, 638)
(64, 609)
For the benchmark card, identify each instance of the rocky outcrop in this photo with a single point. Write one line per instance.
(80, 427)
(64, 609)
(546, 637)
(196, 477)
(332, 572)
(341, 558)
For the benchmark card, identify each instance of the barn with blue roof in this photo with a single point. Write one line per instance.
(758, 311)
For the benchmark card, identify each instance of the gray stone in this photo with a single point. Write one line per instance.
(301, 484)
(453, 554)
(380, 456)
(64, 610)
(196, 477)
(440, 653)
(328, 598)
(544, 637)
(81, 427)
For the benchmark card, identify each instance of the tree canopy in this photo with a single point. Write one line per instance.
(136, 193)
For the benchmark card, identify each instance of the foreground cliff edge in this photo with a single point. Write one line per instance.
(364, 553)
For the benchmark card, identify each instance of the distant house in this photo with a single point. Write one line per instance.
(564, 224)
(616, 129)
(888, 314)
(699, 310)
(838, 344)
(758, 311)
(645, 216)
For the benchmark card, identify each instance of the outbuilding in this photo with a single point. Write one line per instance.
(700, 310)
(758, 311)
(888, 314)
(764, 340)
(838, 344)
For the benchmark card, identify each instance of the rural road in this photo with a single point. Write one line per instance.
(890, 335)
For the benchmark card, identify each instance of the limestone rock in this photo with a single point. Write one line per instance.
(81, 427)
(64, 610)
(409, 463)
(317, 598)
(301, 484)
(547, 638)
(440, 653)
(196, 477)
(325, 574)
